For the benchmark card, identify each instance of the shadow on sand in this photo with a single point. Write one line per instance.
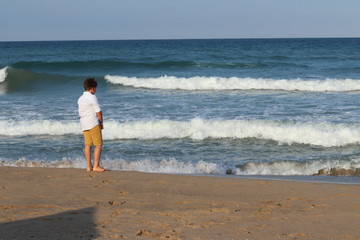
(76, 224)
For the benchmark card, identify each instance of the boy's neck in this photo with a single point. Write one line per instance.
(92, 91)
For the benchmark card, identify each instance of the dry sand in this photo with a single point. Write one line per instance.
(40, 203)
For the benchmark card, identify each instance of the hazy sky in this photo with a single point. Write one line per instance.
(177, 19)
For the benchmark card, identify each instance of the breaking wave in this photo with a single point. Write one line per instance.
(45, 127)
(280, 168)
(290, 168)
(235, 83)
(313, 133)
(3, 74)
(17, 77)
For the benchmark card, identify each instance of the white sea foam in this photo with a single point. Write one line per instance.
(173, 166)
(288, 168)
(3, 74)
(322, 134)
(234, 83)
(63, 163)
(45, 127)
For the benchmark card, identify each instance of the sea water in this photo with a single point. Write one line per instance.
(263, 107)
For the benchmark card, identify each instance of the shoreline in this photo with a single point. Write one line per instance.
(315, 178)
(341, 180)
(50, 203)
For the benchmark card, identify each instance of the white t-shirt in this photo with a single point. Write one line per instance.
(88, 107)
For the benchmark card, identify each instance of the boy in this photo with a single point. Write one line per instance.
(91, 120)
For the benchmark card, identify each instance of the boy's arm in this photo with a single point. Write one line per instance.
(100, 118)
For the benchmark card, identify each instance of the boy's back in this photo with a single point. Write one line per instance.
(88, 107)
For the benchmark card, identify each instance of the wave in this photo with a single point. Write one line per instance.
(100, 64)
(146, 63)
(287, 168)
(313, 133)
(173, 166)
(284, 168)
(15, 77)
(235, 83)
(33, 128)
(3, 74)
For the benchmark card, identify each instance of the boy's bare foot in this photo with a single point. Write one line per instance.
(89, 169)
(99, 169)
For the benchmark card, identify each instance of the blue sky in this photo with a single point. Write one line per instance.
(23, 20)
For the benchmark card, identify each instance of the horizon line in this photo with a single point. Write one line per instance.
(174, 39)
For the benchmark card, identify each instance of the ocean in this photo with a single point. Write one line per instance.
(270, 108)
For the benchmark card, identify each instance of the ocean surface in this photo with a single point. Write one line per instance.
(239, 107)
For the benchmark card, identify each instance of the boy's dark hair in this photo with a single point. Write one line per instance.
(89, 84)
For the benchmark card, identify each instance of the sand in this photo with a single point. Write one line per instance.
(41, 203)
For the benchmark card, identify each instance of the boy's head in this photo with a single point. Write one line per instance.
(89, 84)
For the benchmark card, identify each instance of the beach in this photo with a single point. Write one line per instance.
(55, 203)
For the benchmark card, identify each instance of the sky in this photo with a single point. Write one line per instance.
(25, 20)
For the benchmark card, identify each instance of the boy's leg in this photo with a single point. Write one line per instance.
(97, 139)
(97, 156)
(87, 149)
(87, 153)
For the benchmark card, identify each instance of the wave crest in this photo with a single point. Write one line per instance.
(3, 74)
(235, 83)
(44, 127)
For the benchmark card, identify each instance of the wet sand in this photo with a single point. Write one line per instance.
(41, 203)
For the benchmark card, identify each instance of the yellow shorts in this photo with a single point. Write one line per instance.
(93, 136)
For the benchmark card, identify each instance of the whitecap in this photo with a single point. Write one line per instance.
(235, 83)
(313, 133)
(3, 74)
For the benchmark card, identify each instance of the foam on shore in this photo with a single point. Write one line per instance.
(174, 166)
